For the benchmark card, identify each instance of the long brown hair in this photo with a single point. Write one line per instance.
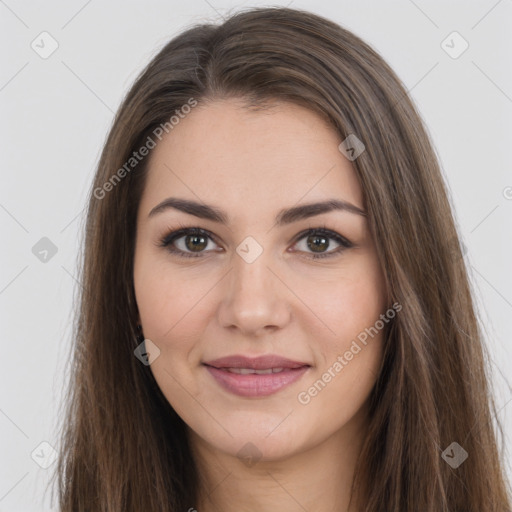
(123, 446)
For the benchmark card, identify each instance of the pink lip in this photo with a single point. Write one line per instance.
(254, 385)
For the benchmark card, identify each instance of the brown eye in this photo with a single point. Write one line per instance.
(195, 243)
(188, 242)
(317, 241)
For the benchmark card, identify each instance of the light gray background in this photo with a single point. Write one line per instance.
(55, 114)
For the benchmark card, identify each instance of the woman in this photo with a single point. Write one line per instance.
(275, 310)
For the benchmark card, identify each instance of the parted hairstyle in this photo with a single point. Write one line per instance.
(123, 447)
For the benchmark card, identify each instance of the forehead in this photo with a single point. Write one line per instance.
(229, 155)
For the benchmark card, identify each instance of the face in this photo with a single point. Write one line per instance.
(259, 310)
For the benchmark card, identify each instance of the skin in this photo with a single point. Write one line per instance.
(252, 165)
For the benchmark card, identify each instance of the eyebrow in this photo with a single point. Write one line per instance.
(287, 216)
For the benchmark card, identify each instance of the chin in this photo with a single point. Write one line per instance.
(256, 442)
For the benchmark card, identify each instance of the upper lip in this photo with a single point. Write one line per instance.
(255, 363)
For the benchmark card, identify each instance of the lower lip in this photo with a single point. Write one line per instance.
(254, 384)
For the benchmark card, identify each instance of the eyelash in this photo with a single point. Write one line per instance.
(169, 238)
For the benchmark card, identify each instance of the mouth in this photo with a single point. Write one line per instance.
(255, 377)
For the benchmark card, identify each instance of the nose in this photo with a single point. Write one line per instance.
(255, 300)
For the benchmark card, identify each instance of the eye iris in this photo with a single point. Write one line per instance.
(320, 242)
(196, 246)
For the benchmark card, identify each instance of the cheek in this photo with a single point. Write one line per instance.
(346, 304)
(168, 298)
(340, 389)
(353, 354)
(351, 359)
(172, 315)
